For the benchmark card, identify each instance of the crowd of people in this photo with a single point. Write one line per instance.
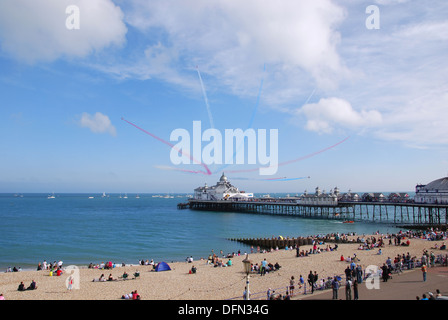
(264, 267)
(354, 273)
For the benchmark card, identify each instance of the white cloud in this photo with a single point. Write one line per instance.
(98, 123)
(390, 2)
(231, 41)
(420, 121)
(331, 113)
(33, 31)
(400, 71)
(428, 30)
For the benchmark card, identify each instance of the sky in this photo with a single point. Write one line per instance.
(91, 92)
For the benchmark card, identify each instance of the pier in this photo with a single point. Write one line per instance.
(429, 208)
(407, 214)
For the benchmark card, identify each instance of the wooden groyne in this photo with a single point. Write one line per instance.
(410, 214)
(280, 242)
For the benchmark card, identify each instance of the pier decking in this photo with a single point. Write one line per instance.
(406, 214)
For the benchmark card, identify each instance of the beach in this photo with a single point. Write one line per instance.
(209, 282)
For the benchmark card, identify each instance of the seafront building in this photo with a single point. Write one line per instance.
(435, 192)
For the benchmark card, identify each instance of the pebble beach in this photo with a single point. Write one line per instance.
(209, 282)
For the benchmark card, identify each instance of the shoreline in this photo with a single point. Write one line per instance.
(344, 238)
(84, 265)
(209, 282)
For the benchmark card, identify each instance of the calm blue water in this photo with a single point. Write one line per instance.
(79, 230)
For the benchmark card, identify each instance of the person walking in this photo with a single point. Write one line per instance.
(311, 281)
(335, 287)
(355, 290)
(348, 289)
(424, 269)
(264, 264)
(291, 286)
(359, 273)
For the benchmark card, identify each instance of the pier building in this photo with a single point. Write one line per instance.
(429, 208)
(435, 192)
(223, 190)
(319, 198)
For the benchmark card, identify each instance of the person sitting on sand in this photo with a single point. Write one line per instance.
(193, 269)
(32, 286)
(21, 287)
(135, 295)
(111, 278)
(127, 296)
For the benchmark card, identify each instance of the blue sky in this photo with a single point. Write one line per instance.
(325, 76)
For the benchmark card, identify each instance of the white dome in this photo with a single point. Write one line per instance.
(223, 178)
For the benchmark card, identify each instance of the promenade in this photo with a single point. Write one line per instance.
(403, 286)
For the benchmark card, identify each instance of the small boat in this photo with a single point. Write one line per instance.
(348, 221)
(51, 196)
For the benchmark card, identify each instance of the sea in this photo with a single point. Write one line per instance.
(91, 228)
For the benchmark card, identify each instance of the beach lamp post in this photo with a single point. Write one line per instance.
(247, 268)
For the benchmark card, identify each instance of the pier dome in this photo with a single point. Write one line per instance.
(434, 192)
(438, 185)
(223, 178)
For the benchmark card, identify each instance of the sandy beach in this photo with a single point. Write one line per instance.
(209, 282)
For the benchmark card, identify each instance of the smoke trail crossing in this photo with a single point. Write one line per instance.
(251, 121)
(207, 170)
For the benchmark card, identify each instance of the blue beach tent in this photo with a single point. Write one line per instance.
(162, 266)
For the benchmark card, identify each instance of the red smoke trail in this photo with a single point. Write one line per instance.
(207, 172)
(294, 160)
